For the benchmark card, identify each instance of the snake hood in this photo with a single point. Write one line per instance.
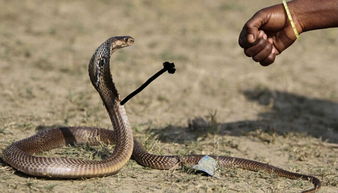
(99, 65)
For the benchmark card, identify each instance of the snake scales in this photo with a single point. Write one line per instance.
(20, 154)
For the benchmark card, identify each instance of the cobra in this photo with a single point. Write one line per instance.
(20, 154)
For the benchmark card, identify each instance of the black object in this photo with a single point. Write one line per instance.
(167, 66)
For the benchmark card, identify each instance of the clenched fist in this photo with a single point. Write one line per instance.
(269, 32)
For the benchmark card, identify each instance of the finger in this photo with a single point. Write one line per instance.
(275, 51)
(253, 26)
(247, 37)
(268, 60)
(264, 53)
(242, 40)
(250, 32)
(262, 34)
(252, 51)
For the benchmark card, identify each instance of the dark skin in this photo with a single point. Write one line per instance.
(268, 33)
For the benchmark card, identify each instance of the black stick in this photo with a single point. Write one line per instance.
(167, 66)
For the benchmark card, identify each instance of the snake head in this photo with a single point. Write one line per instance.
(99, 66)
(121, 42)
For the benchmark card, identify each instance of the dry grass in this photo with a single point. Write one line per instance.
(285, 115)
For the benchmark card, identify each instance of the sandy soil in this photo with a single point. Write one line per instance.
(285, 115)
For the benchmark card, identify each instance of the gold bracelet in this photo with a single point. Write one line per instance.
(290, 19)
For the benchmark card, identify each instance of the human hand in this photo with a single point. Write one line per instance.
(267, 34)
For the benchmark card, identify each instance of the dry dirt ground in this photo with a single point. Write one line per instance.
(285, 114)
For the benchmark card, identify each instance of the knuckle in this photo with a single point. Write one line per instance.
(247, 53)
(269, 60)
(267, 49)
(272, 58)
(261, 42)
(269, 46)
(256, 58)
(241, 42)
(265, 63)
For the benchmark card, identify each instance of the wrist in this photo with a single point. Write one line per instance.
(314, 14)
(297, 15)
(292, 20)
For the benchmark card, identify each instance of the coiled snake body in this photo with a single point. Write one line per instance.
(20, 154)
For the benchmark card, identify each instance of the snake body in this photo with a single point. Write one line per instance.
(20, 154)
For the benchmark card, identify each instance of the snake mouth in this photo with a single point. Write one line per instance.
(123, 41)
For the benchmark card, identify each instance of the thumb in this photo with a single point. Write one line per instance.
(254, 25)
(250, 31)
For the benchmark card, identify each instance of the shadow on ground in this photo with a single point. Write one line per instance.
(289, 113)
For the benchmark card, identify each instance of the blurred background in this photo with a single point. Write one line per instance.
(218, 101)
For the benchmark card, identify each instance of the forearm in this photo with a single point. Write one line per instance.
(314, 14)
